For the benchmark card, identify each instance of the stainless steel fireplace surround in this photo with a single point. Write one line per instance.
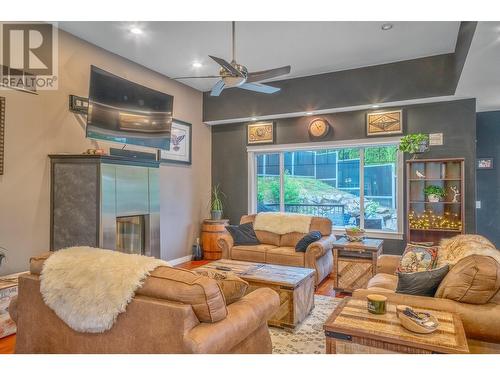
(105, 201)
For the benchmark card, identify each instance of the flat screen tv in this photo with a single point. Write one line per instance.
(126, 112)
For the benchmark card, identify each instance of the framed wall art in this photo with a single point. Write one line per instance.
(2, 132)
(180, 144)
(384, 123)
(485, 163)
(261, 133)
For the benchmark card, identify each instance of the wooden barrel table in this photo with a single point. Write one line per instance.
(211, 231)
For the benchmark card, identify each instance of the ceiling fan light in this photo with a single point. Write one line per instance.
(230, 81)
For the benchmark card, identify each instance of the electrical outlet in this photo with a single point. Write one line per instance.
(478, 204)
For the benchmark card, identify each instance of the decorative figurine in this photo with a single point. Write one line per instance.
(419, 174)
(456, 193)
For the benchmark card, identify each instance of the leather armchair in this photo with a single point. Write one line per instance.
(481, 321)
(175, 311)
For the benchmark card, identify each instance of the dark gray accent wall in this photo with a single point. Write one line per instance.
(455, 119)
(405, 80)
(488, 180)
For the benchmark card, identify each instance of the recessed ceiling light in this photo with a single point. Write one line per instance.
(136, 30)
(254, 119)
(375, 106)
(309, 113)
(387, 26)
(196, 64)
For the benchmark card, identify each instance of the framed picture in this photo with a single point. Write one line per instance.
(261, 133)
(485, 163)
(384, 123)
(2, 131)
(180, 144)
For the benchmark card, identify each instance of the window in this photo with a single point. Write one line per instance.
(327, 182)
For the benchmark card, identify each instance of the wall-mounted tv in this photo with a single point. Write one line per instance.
(126, 112)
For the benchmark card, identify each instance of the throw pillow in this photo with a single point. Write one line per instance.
(233, 288)
(308, 239)
(418, 258)
(421, 283)
(474, 279)
(243, 234)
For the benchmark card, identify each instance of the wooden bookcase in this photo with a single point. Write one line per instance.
(432, 221)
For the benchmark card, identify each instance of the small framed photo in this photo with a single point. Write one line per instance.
(485, 163)
(180, 144)
(261, 133)
(384, 123)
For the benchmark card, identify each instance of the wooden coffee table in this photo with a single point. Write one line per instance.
(294, 285)
(351, 329)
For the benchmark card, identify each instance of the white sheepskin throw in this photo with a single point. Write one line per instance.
(87, 288)
(451, 250)
(282, 223)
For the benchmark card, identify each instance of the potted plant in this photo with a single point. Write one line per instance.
(414, 144)
(434, 193)
(216, 205)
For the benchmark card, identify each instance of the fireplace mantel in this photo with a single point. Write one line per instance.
(90, 192)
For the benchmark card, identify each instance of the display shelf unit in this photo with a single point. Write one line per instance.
(432, 221)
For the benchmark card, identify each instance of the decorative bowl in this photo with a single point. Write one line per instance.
(421, 322)
(354, 234)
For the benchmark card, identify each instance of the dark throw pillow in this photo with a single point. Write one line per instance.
(243, 234)
(308, 239)
(423, 283)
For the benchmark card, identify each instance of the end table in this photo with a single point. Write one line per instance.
(354, 263)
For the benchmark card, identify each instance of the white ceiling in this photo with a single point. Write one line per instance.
(310, 48)
(480, 77)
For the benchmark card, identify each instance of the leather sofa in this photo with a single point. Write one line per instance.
(481, 320)
(175, 311)
(280, 249)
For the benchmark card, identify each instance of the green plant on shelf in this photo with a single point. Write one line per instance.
(434, 190)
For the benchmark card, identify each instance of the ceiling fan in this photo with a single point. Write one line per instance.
(235, 75)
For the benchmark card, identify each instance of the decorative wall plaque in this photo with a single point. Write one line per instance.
(260, 133)
(2, 132)
(384, 123)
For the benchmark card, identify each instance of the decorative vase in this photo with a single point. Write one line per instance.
(197, 251)
(216, 214)
(423, 147)
(433, 198)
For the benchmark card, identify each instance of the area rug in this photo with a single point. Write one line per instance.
(309, 336)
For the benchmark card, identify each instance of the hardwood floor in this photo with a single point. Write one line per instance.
(325, 289)
(7, 344)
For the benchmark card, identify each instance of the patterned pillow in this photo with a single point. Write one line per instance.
(418, 258)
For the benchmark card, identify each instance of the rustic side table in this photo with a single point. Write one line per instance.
(211, 231)
(354, 263)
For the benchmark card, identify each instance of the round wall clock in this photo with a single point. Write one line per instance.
(319, 128)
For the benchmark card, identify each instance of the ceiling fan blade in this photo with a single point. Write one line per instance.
(259, 87)
(196, 77)
(268, 74)
(217, 89)
(227, 66)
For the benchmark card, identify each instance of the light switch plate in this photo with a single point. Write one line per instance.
(436, 139)
(478, 204)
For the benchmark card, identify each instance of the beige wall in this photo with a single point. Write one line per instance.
(38, 125)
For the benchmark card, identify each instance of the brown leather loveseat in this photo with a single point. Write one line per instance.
(175, 311)
(280, 249)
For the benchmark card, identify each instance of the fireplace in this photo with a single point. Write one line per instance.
(130, 234)
(107, 202)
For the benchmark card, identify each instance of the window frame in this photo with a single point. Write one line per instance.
(254, 151)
